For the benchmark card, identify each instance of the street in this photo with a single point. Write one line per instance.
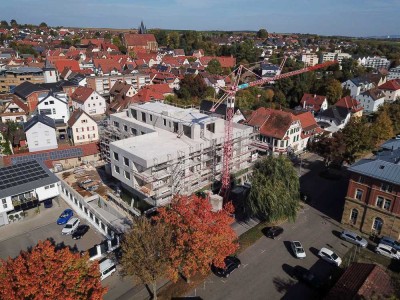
(267, 265)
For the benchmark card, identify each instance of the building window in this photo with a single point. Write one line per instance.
(361, 179)
(116, 156)
(377, 225)
(127, 175)
(379, 201)
(134, 131)
(151, 118)
(359, 194)
(134, 113)
(165, 122)
(386, 187)
(54, 110)
(116, 168)
(4, 201)
(125, 128)
(116, 124)
(353, 216)
(143, 117)
(126, 161)
(387, 204)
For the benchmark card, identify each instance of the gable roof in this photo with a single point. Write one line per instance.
(307, 121)
(134, 39)
(349, 103)
(120, 87)
(391, 85)
(25, 89)
(335, 112)
(362, 281)
(374, 94)
(107, 65)
(71, 64)
(379, 169)
(76, 115)
(315, 101)
(81, 94)
(39, 119)
(52, 94)
(147, 94)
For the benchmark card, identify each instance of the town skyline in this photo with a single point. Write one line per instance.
(358, 18)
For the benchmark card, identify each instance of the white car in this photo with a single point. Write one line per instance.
(330, 256)
(388, 251)
(71, 226)
(298, 249)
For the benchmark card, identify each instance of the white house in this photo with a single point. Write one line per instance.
(391, 89)
(88, 100)
(371, 100)
(269, 70)
(40, 133)
(54, 105)
(82, 128)
(334, 118)
(358, 85)
(15, 111)
(23, 186)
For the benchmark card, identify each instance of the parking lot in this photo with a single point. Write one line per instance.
(26, 233)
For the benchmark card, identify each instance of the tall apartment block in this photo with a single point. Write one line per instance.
(157, 150)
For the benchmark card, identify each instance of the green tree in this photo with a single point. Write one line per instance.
(13, 23)
(357, 138)
(332, 149)
(333, 91)
(262, 34)
(382, 128)
(173, 40)
(275, 189)
(4, 24)
(43, 24)
(97, 34)
(145, 252)
(192, 87)
(214, 67)
(108, 36)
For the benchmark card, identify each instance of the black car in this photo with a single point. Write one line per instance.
(231, 263)
(307, 277)
(80, 231)
(48, 203)
(274, 231)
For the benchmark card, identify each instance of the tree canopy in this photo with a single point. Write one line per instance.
(214, 67)
(274, 191)
(145, 252)
(262, 34)
(200, 236)
(48, 273)
(192, 87)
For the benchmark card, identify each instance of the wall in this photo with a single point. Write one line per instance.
(59, 109)
(41, 137)
(46, 192)
(84, 132)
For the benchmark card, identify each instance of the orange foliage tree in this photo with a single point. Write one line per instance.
(48, 273)
(200, 236)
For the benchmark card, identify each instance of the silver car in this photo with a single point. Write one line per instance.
(353, 238)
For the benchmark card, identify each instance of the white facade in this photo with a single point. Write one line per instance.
(54, 106)
(13, 113)
(375, 62)
(357, 87)
(391, 95)
(41, 137)
(310, 59)
(368, 103)
(95, 104)
(337, 55)
(84, 130)
(50, 75)
(394, 73)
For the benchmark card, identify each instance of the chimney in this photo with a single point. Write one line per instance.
(304, 104)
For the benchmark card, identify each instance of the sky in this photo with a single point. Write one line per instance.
(323, 17)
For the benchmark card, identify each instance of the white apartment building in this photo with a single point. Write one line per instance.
(338, 55)
(371, 100)
(310, 59)
(375, 62)
(40, 133)
(164, 150)
(54, 105)
(394, 73)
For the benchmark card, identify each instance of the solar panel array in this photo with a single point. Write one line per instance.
(52, 155)
(20, 174)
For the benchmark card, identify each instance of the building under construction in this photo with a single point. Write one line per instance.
(157, 150)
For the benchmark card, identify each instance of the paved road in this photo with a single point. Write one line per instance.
(267, 265)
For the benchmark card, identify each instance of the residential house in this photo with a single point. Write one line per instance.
(333, 118)
(103, 84)
(352, 105)
(14, 111)
(309, 128)
(269, 70)
(394, 73)
(140, 42)
(314, 103)
(372, 202)
(107, 67)
(278, 130)
(54, 105)
(40, 133)
(88, 100)
(82, 128)
(337, 55)
(391, 89)
(362, 281)
(123, 89)
(22, 186)
(358, 85)
(15, 76)
(371, 100)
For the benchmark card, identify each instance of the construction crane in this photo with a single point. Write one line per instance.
(229, 97)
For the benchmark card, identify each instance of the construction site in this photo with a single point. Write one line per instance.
(157, 150)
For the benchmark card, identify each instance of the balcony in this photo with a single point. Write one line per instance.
(24, 201)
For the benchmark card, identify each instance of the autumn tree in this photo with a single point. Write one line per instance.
(275, 187)
(145, 252)
(382, 128)
(331, 148)
(333, 91)
(48, 273)
(200, 236)
(357, 139)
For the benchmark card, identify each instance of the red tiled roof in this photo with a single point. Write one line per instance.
(225, 61)
(107, 65)
(71, 64)
(392, 85)
(162, 88)
(134, 39)
(146, 56)
(87, 149)
(312, 100)
(307, 121)
(349, 103)
(75, 116)
(81, 94)
(147, 94)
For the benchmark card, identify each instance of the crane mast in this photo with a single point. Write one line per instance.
(229, 98)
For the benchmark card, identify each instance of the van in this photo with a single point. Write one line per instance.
(107, 268)
(387, 251)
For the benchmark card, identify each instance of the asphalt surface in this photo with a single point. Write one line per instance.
(267, 265)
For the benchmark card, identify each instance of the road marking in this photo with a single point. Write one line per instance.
(223, 281)
(244, 266)
(262, 251)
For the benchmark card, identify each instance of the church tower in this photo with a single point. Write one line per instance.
(142, 29)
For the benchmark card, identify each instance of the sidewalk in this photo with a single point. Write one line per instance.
(33, 220)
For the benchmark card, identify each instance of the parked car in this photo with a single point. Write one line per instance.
(71, 226)
(298, 249)
(48, 203)
(274, 232)
(231, 263)
(391, 242)
(80, 231)
(330, 256)
(65, 216)
(353, 238)
(107, 268)
(307, 277)
(387, 251)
